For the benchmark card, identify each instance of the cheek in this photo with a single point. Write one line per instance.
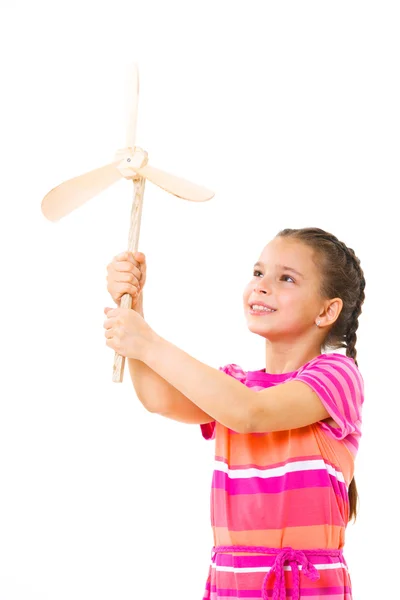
(288, 298)
(295, 306)
(247, 290)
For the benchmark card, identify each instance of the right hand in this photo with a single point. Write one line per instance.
(126, 275)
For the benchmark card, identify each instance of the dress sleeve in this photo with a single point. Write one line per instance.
(208, 429)
(338, 383)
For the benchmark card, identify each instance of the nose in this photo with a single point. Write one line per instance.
(259, 289)
(261, 285)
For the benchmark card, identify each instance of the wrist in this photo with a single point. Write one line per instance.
(153, 341)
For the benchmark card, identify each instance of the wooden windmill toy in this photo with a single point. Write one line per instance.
(129, 163)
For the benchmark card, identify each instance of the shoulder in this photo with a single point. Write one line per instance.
(235, 371)
(334, 377)
(331, 358)
(334, 365)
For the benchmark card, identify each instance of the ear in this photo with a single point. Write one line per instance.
(331, 312)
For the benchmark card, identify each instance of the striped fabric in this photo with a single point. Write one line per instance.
(286, 489)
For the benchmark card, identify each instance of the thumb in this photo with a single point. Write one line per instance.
(107, 308)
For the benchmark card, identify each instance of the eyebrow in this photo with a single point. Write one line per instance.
(259, 264)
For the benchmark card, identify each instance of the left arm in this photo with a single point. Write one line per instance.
(224, 398)
(284, 406)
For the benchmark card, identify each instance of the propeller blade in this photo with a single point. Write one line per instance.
(175, 185)
(71, 194)
(132, 99)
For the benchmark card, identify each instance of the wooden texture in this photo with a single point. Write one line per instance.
(133, 243)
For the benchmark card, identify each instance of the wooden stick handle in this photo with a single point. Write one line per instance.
(133, 242)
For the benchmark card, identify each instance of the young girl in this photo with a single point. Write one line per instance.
(283, 489)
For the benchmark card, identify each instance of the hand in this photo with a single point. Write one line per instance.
(127, 275)
(127, 332)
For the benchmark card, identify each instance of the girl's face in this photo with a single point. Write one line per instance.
(288, 281)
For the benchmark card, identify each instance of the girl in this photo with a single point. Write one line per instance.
(286, 436)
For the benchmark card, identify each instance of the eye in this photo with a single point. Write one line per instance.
(288, 276)
(284, 276)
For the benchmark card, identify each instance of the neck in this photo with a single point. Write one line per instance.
(284, 357)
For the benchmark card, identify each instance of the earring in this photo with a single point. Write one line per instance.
(318, 322)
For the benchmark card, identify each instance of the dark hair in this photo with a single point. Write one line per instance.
(341, 277)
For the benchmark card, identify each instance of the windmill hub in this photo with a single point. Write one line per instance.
(131, 160)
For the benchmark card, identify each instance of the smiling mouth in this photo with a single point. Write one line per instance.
(261, 311)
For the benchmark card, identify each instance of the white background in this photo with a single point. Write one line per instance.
(290, 112)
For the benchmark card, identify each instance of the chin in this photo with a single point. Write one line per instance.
(257, 326)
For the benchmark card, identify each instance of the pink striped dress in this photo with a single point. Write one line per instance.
(279, 500)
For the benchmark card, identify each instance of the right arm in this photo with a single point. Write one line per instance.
(157, 395)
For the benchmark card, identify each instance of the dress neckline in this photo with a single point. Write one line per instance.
(263, 375)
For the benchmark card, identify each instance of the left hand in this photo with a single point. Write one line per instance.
(127, 332)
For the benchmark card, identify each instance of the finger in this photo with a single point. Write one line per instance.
(125, 266)
(115, 344)
(123, 256)
(134, 258)
(108, 323)
(132, 275)
(127, 288)
(138, 256)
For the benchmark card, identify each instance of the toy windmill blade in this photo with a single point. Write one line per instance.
(71, 194)
(175, 185)
(132, 101)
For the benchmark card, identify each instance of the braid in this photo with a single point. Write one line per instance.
(353, 325)
(351, 335)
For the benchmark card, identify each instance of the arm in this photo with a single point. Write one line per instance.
(224, 398)
(286, 406)
(159, 396)
(330, 390)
